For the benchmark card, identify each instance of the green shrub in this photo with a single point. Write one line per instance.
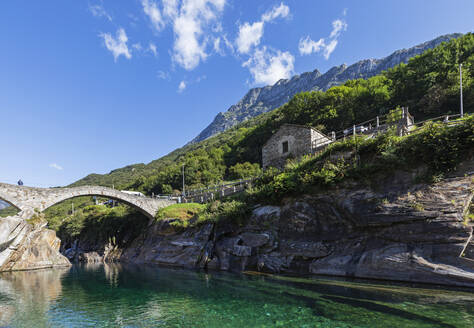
(244, 170)
(232, 211)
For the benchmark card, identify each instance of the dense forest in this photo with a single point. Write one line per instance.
(428, 84)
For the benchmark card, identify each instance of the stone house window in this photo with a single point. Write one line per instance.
(285, 146)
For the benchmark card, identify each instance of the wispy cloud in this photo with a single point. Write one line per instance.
(98, 10)
(281, 11)
(201, 78)
(152, 48)
(56, 166)
(118, 45)
(251, 34)
(182, 86)
(337, 27)
(163, 75)
(307, 46)
(151, 10)
(137, 46)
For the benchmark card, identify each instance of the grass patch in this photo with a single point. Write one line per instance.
(183, 211)
(230, 211)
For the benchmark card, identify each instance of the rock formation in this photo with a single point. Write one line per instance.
(27, 245)
(399, 230)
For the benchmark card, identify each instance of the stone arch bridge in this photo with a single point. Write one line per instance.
(29, 199)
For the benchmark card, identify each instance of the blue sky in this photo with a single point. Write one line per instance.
(90, 86)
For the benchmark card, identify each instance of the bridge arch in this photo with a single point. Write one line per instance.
(6, 199)
(30, 199)
(113, 197)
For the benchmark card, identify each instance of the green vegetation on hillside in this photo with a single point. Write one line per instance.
(428, 84)
(436, 148)
(94, 223)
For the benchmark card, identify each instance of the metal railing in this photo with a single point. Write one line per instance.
(203, 195)
(378, 124)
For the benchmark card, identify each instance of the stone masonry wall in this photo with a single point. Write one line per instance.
(300, 139)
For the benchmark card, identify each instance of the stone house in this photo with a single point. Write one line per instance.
(291, 141)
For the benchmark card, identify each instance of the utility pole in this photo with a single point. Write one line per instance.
(184, 191)
(72, 207)
(460, 87)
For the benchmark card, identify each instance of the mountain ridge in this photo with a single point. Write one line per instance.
(264, 99)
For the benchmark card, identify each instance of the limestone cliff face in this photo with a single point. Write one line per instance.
(265, 99)
(25, 246)
(397, 231)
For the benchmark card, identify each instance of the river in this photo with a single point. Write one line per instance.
(114, 295)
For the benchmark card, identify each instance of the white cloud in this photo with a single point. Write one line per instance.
(190, 20)
(251, 34)
(170, 8)
(307, 46)
(98, 10)
(201, 78)
(228, 43)
(56, 166)
(337, 27)
(267, 67)
(118, 46)
(217, 45)
(163, 75)
(189, 24)
(151, 10)
(137, 46)
(328, 49)
(152, 48)
(182, 86)
(280, 11)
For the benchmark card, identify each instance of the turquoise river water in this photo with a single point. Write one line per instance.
(132, 296)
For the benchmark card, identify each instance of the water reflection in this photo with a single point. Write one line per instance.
(104, 295)
(26, 295)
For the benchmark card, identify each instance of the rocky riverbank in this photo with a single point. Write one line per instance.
(398, 230)
(28, 245)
